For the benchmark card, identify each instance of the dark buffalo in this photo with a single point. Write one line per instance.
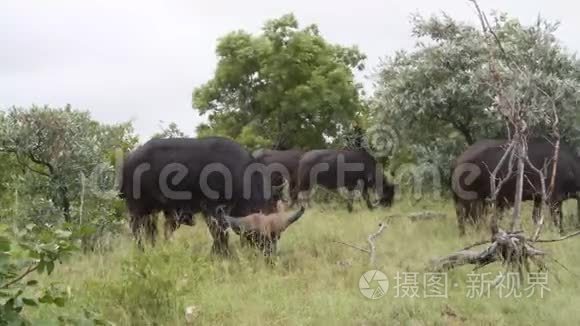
(334, 169)
(184, 176)
(283, 166)
(471, 173)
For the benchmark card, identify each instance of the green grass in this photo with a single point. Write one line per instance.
(314, 280)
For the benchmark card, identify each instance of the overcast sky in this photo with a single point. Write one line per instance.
(139, 60)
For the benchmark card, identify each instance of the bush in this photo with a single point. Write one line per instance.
(22, 252)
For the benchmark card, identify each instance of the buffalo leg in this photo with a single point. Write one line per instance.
(561, 217)
(557, 215)
(478, 217)
(501, 206)
(349, 199)
(145, 223)
(245, 241)
(349, 204)
(274, 246)
(578, 208)
(304, 198)
(478, 213)
(136, 223)
(250, 240)
(293, 193)
(460, 213)
(266, 246)
(170, 225)
(366, 197)
(151, 228)
(270, 250)
(537, 210)
(220, 236)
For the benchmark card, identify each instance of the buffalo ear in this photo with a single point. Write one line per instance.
(220, 211)
(281, 206)
(234, 223)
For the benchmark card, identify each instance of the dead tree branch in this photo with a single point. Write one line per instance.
(371, 241)
(556, 240)
(352, 246)
(510, 248)
(496, 183)
(475, 245)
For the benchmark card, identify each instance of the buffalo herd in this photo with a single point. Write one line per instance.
(235, 189)
(232, 188)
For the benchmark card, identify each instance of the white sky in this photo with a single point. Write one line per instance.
(140, 60)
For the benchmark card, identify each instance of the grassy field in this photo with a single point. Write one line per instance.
(314, 280)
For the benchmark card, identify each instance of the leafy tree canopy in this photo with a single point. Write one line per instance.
(170, 131)
(440, 95)
(285, 87)
(54, 147)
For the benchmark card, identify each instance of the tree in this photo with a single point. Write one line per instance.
(528, 100)
(25, 251)
(170, 131)
(439, 95)
(57, 148)
(8, 169)
(284, 87)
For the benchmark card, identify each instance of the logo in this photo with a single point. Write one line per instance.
(373, 284)
(382, 140)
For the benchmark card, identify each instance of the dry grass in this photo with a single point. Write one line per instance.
(314, 280)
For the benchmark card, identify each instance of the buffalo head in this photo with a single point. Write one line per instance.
(262, 230)
(186, 218)
(387, 195)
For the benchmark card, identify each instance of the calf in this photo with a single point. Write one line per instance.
(262, 230)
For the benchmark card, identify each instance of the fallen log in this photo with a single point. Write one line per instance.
(510, 248)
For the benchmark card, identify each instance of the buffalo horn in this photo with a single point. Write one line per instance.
(294, 217)
(280, 187)
(234, 223)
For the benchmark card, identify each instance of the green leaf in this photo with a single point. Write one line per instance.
(49, 267)
(32, 283)
(4, 244)
(18, 303)
(62, 234)
(60, 301)
(41, 267)
(30, 302)
(284, 87)
(46, 298)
